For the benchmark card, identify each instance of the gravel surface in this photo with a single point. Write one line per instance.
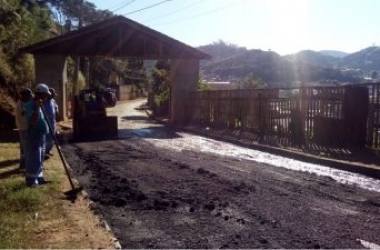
(159, 198)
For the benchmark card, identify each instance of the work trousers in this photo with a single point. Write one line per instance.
(23, 147)
(34, 159)
(50, 140)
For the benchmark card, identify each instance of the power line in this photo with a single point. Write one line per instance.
(117, 5)
(179, 10)
(148, 7)
(124, 4)
(201, 14)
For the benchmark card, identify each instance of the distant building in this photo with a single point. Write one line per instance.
(221, 85)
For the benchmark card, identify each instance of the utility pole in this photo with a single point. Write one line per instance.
(75, 87)
(87, 71)
(86, 62)
(77, 58)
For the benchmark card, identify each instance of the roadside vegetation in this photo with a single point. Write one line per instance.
(42, 217)
(26, 22)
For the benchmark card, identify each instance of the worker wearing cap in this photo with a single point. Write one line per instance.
(51, 109)
(22, 123)
(37, 130)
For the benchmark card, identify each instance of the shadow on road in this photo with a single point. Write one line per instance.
(123, 134)
(136, 118)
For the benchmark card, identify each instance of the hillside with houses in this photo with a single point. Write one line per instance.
(235, 64)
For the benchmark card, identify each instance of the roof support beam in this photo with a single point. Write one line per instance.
(51, 70)
(184, 76)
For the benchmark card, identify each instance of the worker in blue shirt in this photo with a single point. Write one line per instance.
(51, 108)
(22, 123)
(37, 131)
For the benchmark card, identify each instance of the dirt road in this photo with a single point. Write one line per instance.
(157, 197)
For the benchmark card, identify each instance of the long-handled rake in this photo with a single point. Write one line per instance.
(71, 194)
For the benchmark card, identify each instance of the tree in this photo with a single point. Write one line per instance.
(73, 14)
(23, 22)
(202, 83)
(161, 86)
(20, 25)
(250, 82)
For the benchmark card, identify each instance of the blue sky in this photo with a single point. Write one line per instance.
(283, 26)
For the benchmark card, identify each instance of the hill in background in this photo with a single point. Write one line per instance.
(334, 53)
(233, 63)
(314, 58)
(366, 60)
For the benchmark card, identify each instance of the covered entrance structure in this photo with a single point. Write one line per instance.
(119, 37)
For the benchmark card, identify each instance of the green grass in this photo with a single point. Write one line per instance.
(39, 218)
(20, 207)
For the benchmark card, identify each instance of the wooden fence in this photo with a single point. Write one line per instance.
(343, 116)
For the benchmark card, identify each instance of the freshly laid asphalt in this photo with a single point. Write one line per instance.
(365, 162)
(158, 189)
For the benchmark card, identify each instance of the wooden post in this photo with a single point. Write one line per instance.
(184, 76)
(51, 69)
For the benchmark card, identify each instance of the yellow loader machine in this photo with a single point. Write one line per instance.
(90, 118)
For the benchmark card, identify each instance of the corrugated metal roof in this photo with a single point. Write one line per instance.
(117, 37)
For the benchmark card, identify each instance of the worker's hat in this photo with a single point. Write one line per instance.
(42, 88)
(26, 92)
